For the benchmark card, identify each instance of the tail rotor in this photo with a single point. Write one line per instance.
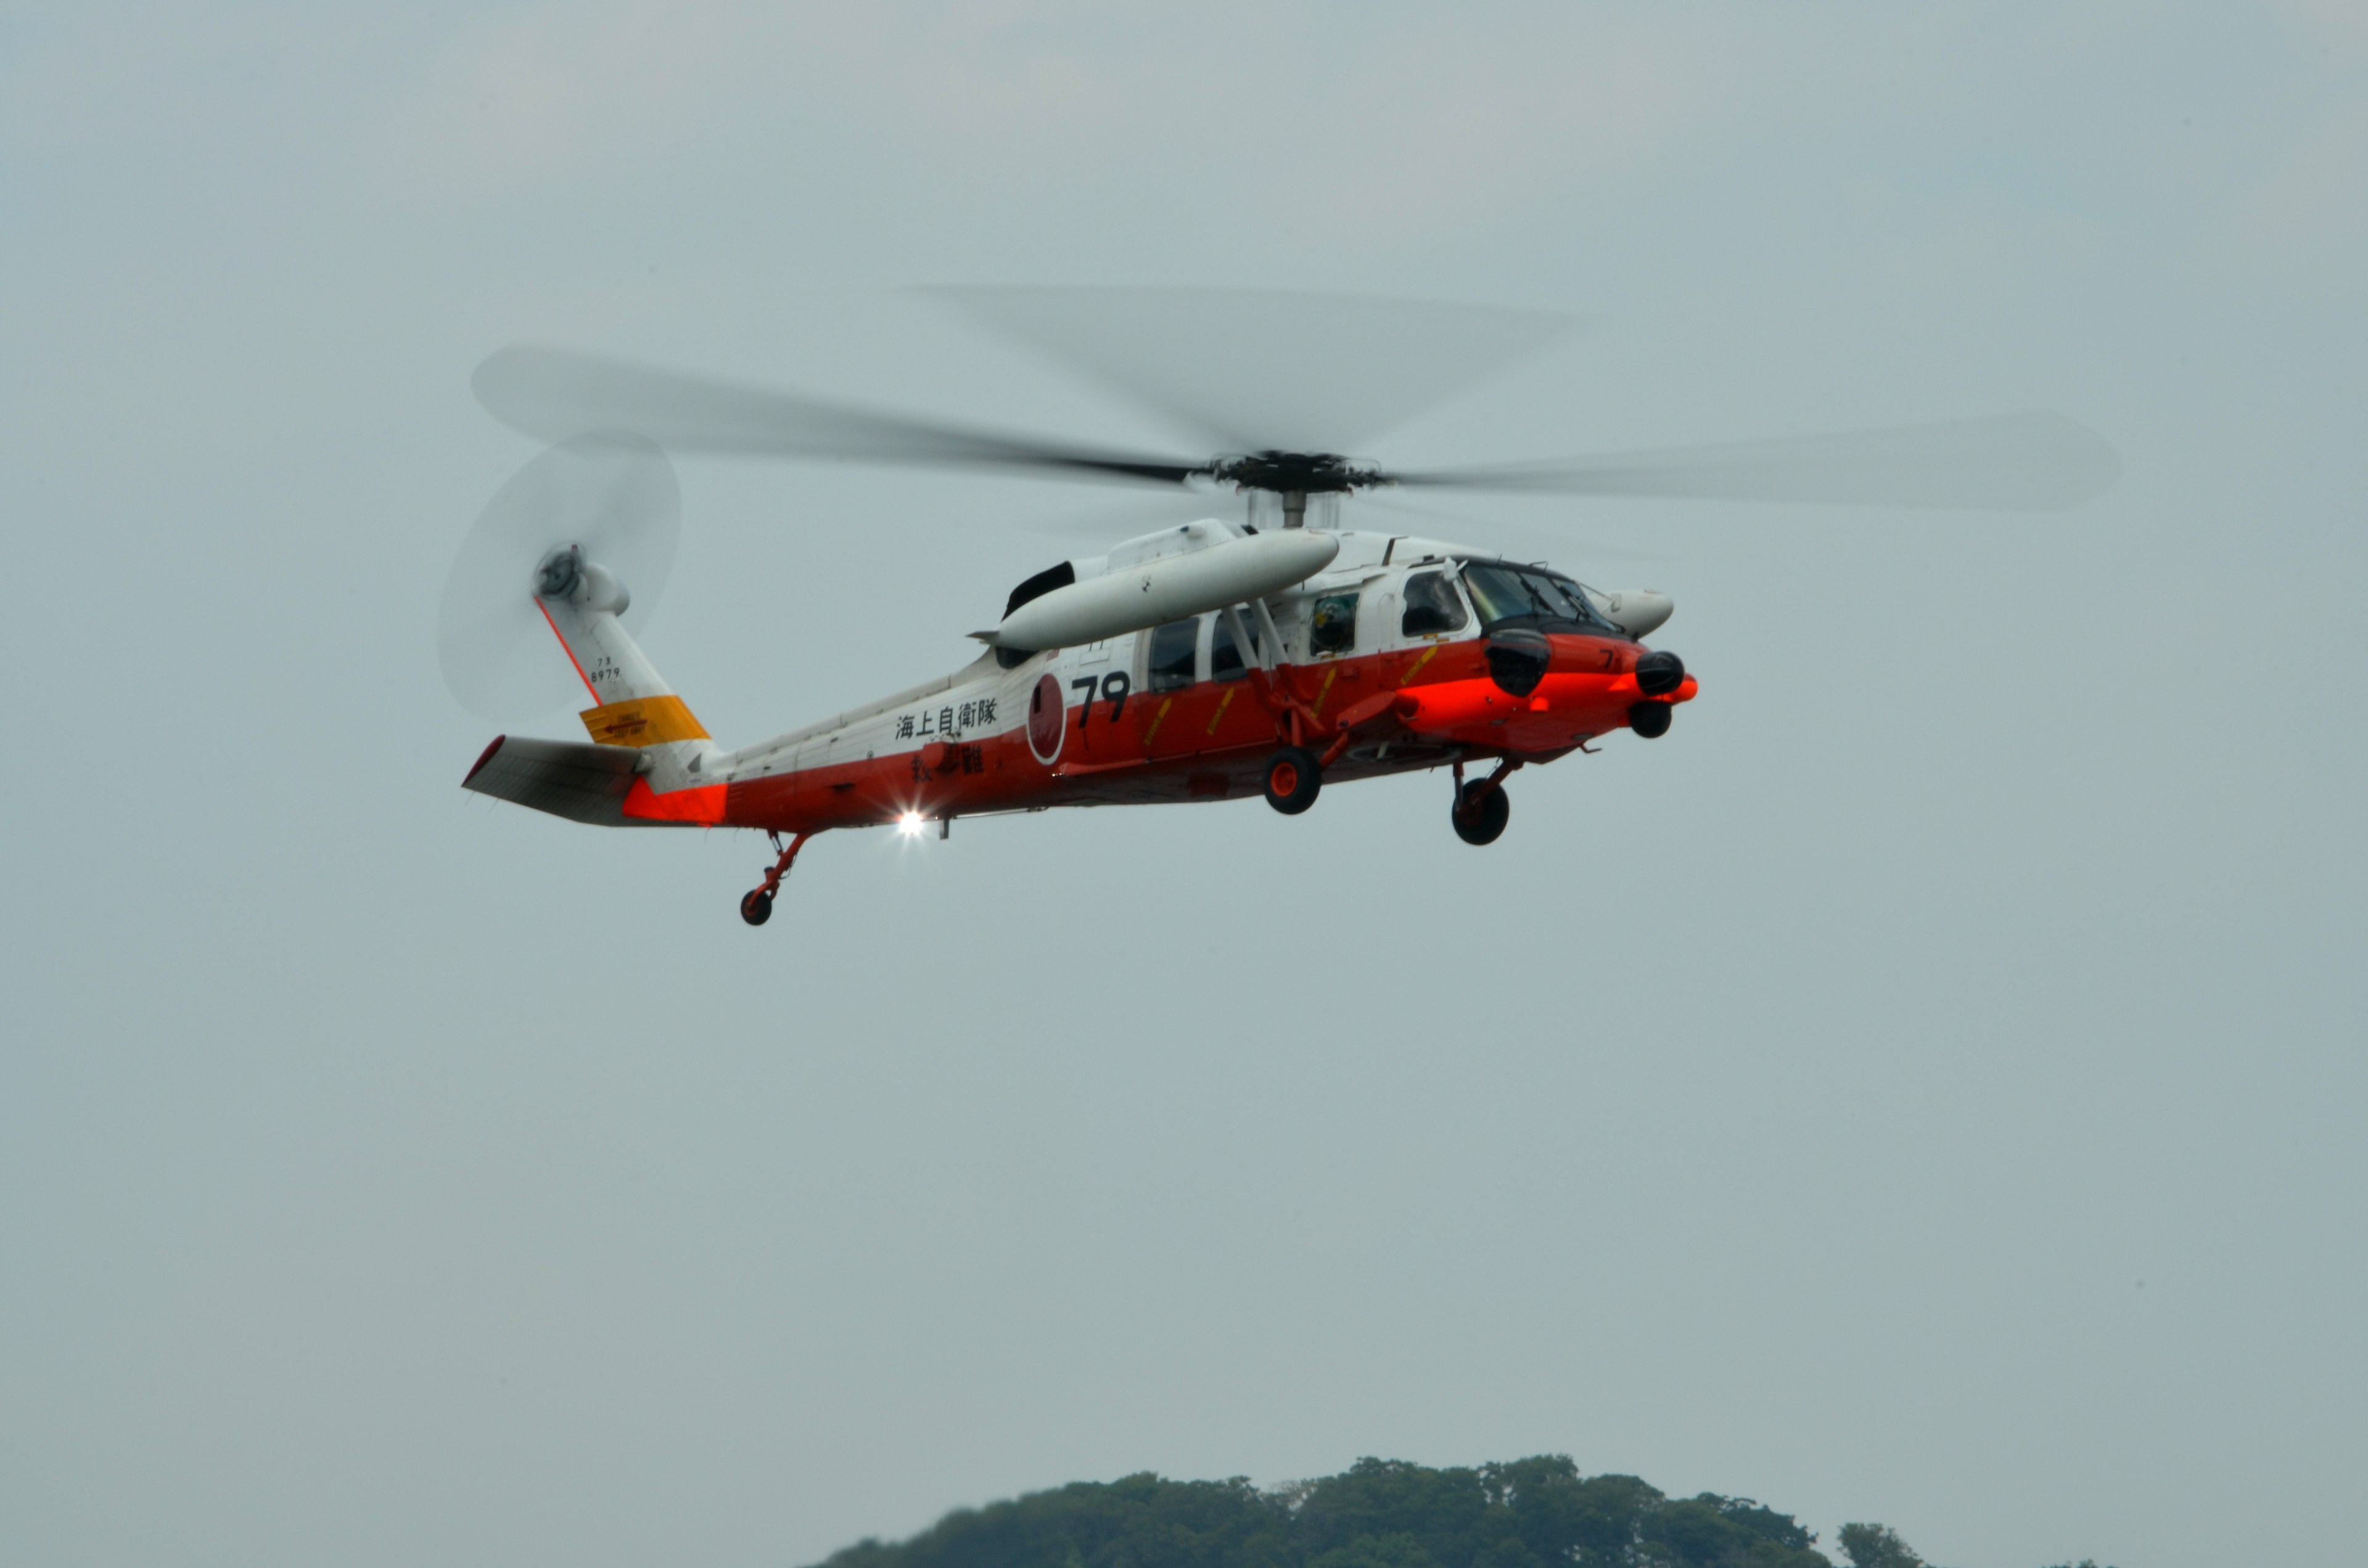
(605, 503)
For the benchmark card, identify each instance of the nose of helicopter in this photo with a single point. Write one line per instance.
(1518, 659)
(1636, 611)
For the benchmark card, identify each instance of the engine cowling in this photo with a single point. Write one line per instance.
(1133, 598)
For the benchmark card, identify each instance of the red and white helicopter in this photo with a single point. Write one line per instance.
(1269, 651)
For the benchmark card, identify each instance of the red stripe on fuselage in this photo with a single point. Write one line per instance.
(1212, 740)
(700, 803)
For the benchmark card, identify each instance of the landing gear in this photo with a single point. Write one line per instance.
(1293, 779)
(756, 906)
(1481, 812)
(1481, 807)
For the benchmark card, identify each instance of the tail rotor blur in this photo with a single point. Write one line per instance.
(613, 497)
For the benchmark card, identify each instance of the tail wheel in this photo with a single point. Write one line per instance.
(1481, 810)
(1293, 779)
(756, 907)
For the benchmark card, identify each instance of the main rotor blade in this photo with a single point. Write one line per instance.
(1258, 370)
(1115, 522)
(557, 393)
(2023, 463)
(1546, 543)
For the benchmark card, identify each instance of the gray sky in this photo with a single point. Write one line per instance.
(1924, 1087)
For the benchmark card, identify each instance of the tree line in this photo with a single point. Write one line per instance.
(1531, 1513)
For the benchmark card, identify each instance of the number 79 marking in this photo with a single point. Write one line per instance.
(1114, 687)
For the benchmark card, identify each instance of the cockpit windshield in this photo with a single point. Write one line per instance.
(1529, 596)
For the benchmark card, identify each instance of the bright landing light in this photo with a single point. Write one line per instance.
(910, 825)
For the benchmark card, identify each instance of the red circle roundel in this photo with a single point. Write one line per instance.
(1048, 719)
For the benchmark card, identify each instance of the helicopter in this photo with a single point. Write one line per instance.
(1271, 652)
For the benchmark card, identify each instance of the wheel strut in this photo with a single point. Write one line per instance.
(1488, 786)
(756, 906)
(1481, 808)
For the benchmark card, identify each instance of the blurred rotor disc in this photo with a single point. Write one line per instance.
(613, 494)
(1254, 368)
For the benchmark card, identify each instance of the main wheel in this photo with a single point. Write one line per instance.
(1480, 812)
(1293, 778)
(756, 907)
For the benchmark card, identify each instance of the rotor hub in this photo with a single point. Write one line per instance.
(1304, 473)
(563, 576)
(556, 575)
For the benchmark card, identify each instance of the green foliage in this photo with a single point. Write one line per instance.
(1141, 1521)
(1877, 1546)
(1727, 1532)
(1531, 1513)
(1377, 1551)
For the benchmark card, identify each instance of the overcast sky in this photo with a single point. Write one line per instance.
(1926, 1087)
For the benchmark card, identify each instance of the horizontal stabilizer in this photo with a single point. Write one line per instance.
(567, 779)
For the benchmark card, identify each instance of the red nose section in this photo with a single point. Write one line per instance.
(1587, 688)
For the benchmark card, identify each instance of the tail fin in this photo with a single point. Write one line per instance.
(633, 705)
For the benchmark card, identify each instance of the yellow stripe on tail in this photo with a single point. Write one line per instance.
(642, 722)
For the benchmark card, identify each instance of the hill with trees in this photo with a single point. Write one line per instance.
(1531, 1513)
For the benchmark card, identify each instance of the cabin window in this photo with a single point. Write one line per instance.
(1174, 649)
(1432, 606)
(1225, 662)
(1332, 626)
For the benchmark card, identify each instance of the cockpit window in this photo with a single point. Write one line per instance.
(1582, 608)
(1527, 595)
(1432, 606)
(1499, 592)
(1173, 649)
